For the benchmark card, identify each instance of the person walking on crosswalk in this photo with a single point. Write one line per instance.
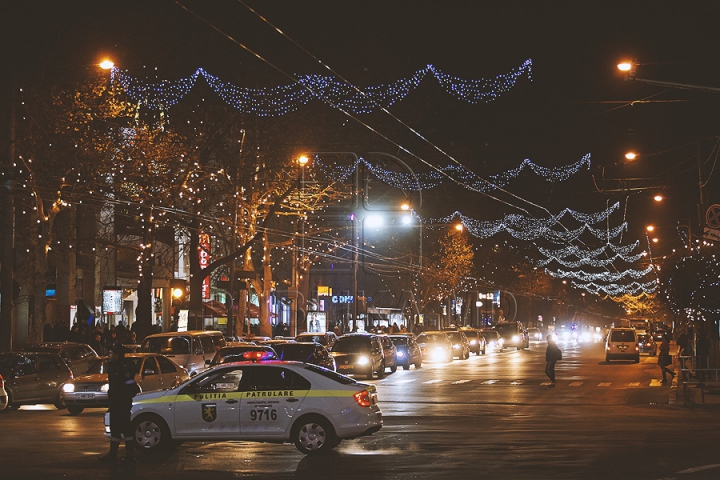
(552, 356)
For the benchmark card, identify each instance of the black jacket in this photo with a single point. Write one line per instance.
(553, 353)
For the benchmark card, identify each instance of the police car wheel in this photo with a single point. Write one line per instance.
(393, 369)
(313, 435)
(151, 433)
(418, 364)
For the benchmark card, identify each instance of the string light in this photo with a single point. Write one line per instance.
(429, 180)
(280, 100)
(602, 276)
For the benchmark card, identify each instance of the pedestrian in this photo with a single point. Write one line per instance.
(552, 356)
(665, 359)
(122, 389)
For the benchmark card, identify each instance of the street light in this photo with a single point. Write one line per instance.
(629, 68)
(106, 64)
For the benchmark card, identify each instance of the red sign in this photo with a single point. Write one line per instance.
(204, 256)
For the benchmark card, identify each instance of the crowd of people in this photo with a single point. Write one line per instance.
(99, 336)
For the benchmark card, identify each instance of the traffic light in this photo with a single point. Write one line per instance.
(178, 291)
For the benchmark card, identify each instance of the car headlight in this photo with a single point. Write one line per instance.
(68, 388)
(515, 338)
(456, 346)
(363, 360)
(105, 387)
(400, 354)
(439, 353)
(473, 342)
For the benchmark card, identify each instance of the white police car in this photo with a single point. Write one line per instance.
(273, 401)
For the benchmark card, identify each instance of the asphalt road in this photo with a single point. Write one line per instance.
(490, 416)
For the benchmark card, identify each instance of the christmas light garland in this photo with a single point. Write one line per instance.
(613, 289)
(428, 180)
(280, 100)
(526, 228)
(602, 276)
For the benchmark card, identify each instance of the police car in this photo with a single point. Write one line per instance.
(270, 401)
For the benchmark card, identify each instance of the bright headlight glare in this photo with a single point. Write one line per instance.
(105, 387)
(68, 388)
(363, 360)
(400, 354)
(515, 338)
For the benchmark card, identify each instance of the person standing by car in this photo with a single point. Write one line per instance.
(664, 359)
(122, 389)
(552, 356)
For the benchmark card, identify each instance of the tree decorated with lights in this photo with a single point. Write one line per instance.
(61, 131)
(448, 268)
(690, 281)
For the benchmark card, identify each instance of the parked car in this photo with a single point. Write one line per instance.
(360, 354)
(408, 350)
(494, 343)
(306, 352)
(33, 377)
(188, 349)
(460, 345)
(242, 353)
(646, 344)
(152, 372)
(77, 356)
(622, 344)
(435, 346)
(326, 339)
(476, 339)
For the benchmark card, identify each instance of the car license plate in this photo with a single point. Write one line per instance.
(85, 396)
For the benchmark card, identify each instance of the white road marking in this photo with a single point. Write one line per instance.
(460, 382)
(575, 384)
(604, 384)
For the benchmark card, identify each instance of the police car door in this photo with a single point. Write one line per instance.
(271, 396)
(209, 407)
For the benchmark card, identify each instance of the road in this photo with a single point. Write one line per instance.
(490, 416)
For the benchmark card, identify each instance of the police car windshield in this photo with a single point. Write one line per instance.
(331, 375)
(399, 340)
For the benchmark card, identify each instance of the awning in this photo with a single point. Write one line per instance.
(213, 308)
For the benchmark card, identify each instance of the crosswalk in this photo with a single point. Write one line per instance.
(655, 382)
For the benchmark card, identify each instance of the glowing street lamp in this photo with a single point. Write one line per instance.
(631, 156)
(658, 198)
(106, 64)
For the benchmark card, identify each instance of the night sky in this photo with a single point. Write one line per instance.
(575, 104)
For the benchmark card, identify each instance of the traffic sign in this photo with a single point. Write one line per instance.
(712, 217)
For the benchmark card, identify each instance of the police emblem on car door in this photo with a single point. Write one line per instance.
(210, 405)
(271, 395)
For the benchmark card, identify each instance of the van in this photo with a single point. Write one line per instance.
(188, 349)
(622, 344)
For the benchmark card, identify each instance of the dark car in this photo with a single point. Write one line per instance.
(389, 352)
(242, 353)
(33, 377)
(460, 345)
(77, 356)
(408, 351)
(476, 339)
(513, 335)
(435, 346)
(646, 344)
(359, 353)
(493, 341)
(306, 352)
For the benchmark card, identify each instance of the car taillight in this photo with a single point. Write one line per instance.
(2, 382)
(363, 398)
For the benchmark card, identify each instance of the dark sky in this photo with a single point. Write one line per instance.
(576, 103)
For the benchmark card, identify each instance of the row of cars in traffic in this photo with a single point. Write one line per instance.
(195, 384)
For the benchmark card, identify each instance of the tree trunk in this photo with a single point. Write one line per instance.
(143, 312)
